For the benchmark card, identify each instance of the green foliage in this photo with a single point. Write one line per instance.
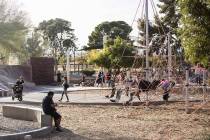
(13, 29)
(88, 72)
(60, 34)
(116, 56)
(34, 45)
(195, 30)
(171, 14)
(111, 29)
(170, 22)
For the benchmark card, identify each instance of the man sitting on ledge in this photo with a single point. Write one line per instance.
(48, 107)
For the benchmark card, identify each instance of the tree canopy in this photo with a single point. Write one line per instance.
(116, 56)
(60, 35)
(13, 28)
(195, 30)
(111, 29)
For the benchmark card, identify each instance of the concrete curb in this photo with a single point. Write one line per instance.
(58, 91)
(34, 133)
(4, 93)
(100, 103)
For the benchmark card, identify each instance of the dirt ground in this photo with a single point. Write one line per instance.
(156, 122)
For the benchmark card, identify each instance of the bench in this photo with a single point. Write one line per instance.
(27, 114)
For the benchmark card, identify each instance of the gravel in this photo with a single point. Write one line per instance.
(156, 122)
(8, 125)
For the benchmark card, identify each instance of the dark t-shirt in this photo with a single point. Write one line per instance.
(46, 105)
(21, 81)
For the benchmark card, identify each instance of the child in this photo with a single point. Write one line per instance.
(65, 87)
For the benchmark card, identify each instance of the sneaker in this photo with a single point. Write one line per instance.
(60, 100)
(67, 101)
(58, 129)
(107, 96)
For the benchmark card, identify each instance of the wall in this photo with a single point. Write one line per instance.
(42, 70)
(9, 74)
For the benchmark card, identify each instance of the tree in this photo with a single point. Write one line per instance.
(34, 45)
(195, 30)
(60, 35)
(170, 10)
(171, 15)
(119, 55)
(111, 30)
(13, 29)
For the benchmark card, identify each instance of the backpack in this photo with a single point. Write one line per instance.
(66, 85)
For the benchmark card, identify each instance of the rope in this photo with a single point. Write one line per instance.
(156, 13)
(136, 13)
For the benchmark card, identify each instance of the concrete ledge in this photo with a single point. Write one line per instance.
(34, 133)
(27, 114)
(22, 113)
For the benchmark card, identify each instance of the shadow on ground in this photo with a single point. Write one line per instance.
(65, 135)
(69, 135)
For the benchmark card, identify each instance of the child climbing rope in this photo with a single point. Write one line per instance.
(166, 85)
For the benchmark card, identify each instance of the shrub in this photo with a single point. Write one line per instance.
(88, 72)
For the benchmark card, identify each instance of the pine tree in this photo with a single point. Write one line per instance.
(195, 30)
(170, 20)
(171, 15)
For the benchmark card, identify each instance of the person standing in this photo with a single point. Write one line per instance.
(65, 87)
(108, 78)
(199, 73)
(58, 76)
(48, 107)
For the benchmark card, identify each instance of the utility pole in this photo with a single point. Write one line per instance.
(169, 57)
(67, 65)
(147, 39)
(74, 58)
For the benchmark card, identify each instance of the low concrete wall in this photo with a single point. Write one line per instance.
(22, 113)
(27, 114)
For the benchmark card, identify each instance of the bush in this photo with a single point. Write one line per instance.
(88, 72)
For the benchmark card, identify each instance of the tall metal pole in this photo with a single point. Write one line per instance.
(67, 65)
(186, 91)
(169, 58)
(147, 39)
(204, 86)
(74, 59)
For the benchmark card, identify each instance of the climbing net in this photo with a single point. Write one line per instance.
(163, 63)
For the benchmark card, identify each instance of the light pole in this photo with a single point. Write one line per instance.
(147, 39)
(67, 64)
(169, 57)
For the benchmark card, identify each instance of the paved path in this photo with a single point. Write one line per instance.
(76, 95)
(84, 95)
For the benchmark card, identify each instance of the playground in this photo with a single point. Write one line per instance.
(90, 115)
(139, 76)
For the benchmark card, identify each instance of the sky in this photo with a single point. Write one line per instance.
(84, 15)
